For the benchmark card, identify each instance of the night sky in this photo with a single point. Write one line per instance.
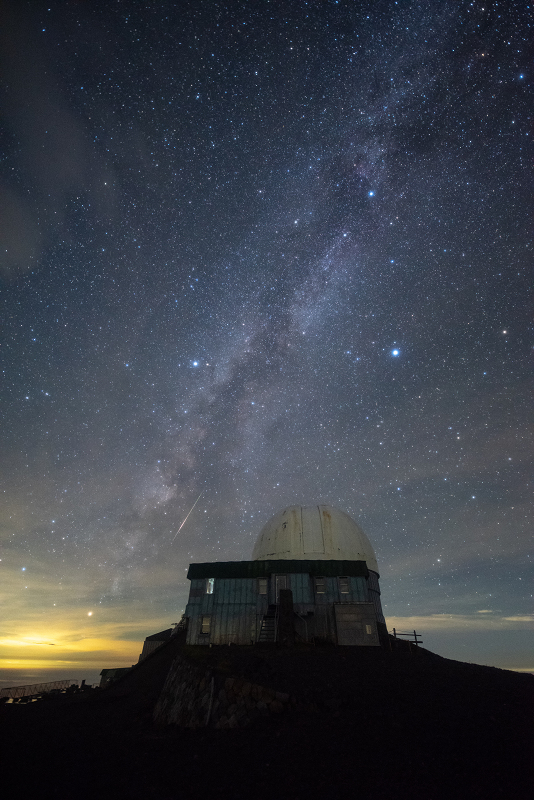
(273, 253)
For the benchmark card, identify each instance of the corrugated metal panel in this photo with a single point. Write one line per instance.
(235, 590)
(374, 595)
(236, 608)
(305, 591)
(372, 580)
(259, 569)
(356, 624)
(232, 608)
(324, 623)
(358, 591)
(233, 624)
(300, 585)
(330, 594)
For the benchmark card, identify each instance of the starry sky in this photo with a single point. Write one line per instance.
(255, 254)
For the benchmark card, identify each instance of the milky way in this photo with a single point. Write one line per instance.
(272, 254)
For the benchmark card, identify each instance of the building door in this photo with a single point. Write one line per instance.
(280, 582)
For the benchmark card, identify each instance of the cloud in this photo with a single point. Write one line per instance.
(20, 236)
(459, 622)
(61, 169)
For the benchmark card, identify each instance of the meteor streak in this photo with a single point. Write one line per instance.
(185, 520)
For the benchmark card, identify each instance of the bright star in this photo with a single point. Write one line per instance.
(395, 352)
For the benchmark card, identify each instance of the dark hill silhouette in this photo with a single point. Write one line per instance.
(370, 723)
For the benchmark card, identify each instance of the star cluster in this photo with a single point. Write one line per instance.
(263, 255)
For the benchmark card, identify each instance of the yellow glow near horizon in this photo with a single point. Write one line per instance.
(68, 641)
(101, 650)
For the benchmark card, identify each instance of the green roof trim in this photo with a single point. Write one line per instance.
(262, 569)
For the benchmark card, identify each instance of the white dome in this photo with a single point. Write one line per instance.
(316, 533)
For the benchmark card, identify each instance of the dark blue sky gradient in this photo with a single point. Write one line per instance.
(273, 253)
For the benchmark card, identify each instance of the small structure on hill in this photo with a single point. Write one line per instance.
(108, 676)
(313, 577)
(154, 641)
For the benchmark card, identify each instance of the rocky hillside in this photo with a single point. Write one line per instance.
(329, 722)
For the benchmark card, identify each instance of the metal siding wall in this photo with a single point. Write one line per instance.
(332, 594)
(236, 608)
(233, 607)
(230, 590)
(324, 623)
(262, 603)
(195, 609)
(358, 590)
(299, 583)
(374, 595)
(190, 613)
(351, 620)
(196, 591)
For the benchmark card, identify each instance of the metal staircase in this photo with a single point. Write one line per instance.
(268, 625)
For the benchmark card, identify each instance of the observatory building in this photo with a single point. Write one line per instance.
(313, 577)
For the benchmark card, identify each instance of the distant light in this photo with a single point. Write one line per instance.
(89, 613)
(521, 77)
(195, 363)
(371, 194)
(24, 569)
(395, 352)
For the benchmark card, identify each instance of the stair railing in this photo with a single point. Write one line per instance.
(305, 624)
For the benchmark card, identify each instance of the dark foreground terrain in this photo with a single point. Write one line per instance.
(372, 723)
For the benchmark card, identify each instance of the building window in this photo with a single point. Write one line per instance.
(205, 625)
(320, 585)
(210, 583)
(369, 629)
(262, 585)
(344, 586)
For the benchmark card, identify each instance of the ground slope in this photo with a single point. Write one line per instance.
(371, 723)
